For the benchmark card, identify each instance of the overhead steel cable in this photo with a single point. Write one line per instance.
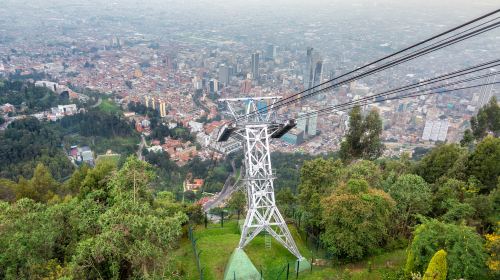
(414, 94)
(448, 76)
(373, 98)
(388, 65)
(453, 39)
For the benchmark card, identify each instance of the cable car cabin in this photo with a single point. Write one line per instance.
(225, 132)
(284, 128)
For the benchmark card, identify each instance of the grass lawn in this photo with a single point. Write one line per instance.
(217, 244)
(109, 107)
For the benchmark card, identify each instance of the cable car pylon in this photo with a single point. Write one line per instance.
(255, 131)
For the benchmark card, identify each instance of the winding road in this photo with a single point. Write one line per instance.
(227, 190)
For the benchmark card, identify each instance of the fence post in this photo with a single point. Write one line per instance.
(287, 270)
(312, 261)
(222, 218)
(297, 270)
(234, 274)
(206, 220)
(260, 273)
(201, 273)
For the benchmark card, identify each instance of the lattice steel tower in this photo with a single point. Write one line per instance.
(254, 128)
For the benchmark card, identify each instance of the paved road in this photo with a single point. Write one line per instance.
(227, 190)
(99, 101)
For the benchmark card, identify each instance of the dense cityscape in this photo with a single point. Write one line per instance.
(182, 75)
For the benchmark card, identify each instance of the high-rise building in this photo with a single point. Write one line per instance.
(255, 66)
(163, 111)
(308, 124)
(308, 70)
(153, 103)
(318, 73)
(214, 86)
(314, 69)
(271, 52)
(302, 122)
(312, 123)
(246, 86)
(486, 92)
(197, 83)
(224, 74)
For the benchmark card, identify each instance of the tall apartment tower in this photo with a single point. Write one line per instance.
(308, 70)
(214, 86)
(271, 52)
(314, 69)
(255, 66)
(163, 110)
(224, 74)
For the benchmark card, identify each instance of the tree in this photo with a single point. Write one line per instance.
(134, 240)
(351, 147)
(286, 166)
(132, 181)
(364, 169)
(237, 202)
(318, 178)
(190, 195)
(355, 218)
(437, 268)
(493, 248)
(466, 254)
(363, 137)
(286, 201)
(135, 235)
(437, 163)
(75, 181)
(372, 145)
(468, 139)
(487, 120)
(484, 163)
(195, 213)
(96, 179)
(41, 187)
(412, 195)
(7, 190)
(27, 237)
(166, 202)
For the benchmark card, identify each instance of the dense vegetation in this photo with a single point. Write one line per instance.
(97, 123)
(449, 200)
(33, 99)
(27, 142)
(103, 223)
